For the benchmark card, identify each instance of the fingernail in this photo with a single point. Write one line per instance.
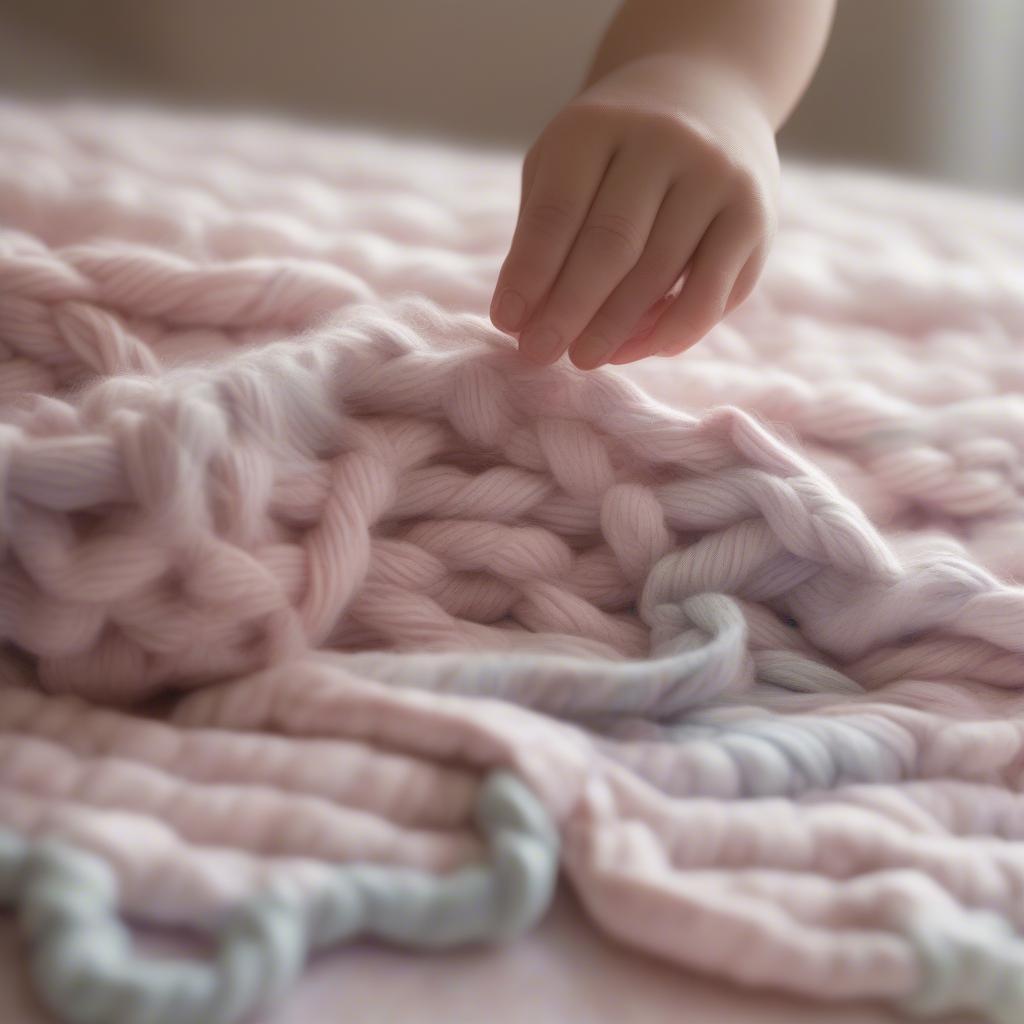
(641, 352)
(589, 353)
(540, 343)
(510, 310)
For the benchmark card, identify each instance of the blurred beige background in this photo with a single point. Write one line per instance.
(929, 87)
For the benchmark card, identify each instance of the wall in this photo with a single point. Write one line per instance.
(923, 86)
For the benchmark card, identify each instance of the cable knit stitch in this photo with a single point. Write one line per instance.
(736, 636)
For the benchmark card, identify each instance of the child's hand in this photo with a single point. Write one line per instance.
(661, 165)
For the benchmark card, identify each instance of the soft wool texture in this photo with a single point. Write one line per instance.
(324, 614)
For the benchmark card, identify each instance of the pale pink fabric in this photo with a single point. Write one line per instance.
(317, 490)
(564, 970)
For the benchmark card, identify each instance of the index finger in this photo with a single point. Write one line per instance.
(569, 168)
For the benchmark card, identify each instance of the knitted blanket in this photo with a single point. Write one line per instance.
(324, 615)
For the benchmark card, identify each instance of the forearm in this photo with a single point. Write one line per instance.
(773, 46)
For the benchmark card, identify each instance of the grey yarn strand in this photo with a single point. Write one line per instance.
(87, 972)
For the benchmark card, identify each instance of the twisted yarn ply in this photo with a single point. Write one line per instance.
(323, 614)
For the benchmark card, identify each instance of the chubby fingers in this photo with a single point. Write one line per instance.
(558, 189)
(709, 289)
(612, 239)
(741, 290)
(684, 215)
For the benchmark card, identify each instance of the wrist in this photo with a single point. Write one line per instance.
(695, 86)
(769, 48)
(685, 72)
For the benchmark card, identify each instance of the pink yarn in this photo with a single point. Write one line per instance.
(747, 621)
